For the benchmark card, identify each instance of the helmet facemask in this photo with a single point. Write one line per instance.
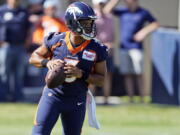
(86, 30)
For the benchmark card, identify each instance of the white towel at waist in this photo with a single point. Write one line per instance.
(91, 108)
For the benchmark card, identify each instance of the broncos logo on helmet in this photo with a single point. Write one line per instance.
(80, 11)
(73, 10)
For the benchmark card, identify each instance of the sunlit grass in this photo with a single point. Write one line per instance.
(124, 119)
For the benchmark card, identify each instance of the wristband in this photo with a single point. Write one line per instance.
(44, 62)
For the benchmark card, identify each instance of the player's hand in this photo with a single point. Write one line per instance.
(139, 36)
(53, 63)
(72, 71)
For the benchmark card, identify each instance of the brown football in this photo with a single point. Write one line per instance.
(55, 77)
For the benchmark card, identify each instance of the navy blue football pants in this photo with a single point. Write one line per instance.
(51, 106)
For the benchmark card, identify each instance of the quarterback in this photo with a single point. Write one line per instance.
(85, 62)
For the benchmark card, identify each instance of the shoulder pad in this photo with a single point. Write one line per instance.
(51, 34)
(52, 39)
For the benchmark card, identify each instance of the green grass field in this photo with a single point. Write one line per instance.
(132, 119)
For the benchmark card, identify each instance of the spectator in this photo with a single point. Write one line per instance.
(14, 30)
(133, 31)
(35, 8)
(48, 23)
(105, 33)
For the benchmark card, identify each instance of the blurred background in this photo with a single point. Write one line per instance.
(144, 99)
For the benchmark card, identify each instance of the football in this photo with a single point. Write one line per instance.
(55, 77)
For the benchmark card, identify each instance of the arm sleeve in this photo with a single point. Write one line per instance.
(118, 11)
(49, 40)
(102, 53)
(52, 39)
(149, 17)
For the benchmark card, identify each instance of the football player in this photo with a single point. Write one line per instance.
(84, 59)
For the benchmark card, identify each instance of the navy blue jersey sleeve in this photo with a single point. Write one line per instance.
(102, 52)
(52, 39)
(149, 17)
(48, 39)
(118, 11)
